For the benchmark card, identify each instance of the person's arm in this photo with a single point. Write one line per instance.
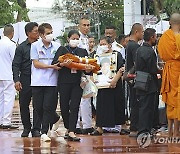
(152, 64)
(120, 68)
(16, 65)
(117, 77)
(12, 49)
(37, 63)
(134, 50)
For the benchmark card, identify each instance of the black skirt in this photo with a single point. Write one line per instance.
(110, 107)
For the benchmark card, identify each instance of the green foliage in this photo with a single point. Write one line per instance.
(171, 6)
(63, 39)
(9, 7)
(101, 12)
(6, 13)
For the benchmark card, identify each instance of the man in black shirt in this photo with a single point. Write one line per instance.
(22, 77)
(136, 35)
(146, 61)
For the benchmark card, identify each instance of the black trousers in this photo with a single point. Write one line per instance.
(156, 112)
(146, 112)
(45, 102)
(70, 97)
(134, 109)
(25, 96)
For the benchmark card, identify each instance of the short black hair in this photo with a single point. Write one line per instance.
(29, 27)
(84, 17)
(110, 27)
(107, 38)
(135, 27)
(90, 36)
(8, 29)
(121, 37)
(41, 28)
(72, 32)
(148, 33)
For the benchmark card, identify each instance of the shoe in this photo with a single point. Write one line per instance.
(25, 133)
(78, 131)
(66, 136)
(114, 131)
(56, 125)
(96, 133)
(35, 133)
(110, 131)
(133, 134)
(87, 131)
(106, 131)
(75, 139)
(9, 127)
(45, 138)
(124, 132)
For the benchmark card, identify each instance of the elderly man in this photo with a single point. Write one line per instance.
(7, 90)
(85, 111)
(169, 50)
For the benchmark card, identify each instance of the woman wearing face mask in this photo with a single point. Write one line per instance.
(69, 85)
(110, 105)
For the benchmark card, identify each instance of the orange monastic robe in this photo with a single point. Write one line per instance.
(169, 50)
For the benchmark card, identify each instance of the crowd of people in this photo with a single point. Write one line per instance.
(32, 68)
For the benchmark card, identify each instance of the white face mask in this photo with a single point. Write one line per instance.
(49, 38)
(102, 49)
(74, 43)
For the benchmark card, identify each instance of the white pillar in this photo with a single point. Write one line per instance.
(132, 14)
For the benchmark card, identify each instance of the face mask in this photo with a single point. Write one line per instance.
(49, 38)
(102, 49)
(74, 43)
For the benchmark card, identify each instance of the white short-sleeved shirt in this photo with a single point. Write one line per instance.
(84, 42)
(7, 52)
(43, 77)
(118, 47)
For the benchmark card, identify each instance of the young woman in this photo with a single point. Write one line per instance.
(69, 85)
(110, 105)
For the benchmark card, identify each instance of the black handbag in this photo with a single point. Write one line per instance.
(142, 80)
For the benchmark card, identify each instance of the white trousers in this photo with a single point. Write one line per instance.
(7, 98)
(85, 113)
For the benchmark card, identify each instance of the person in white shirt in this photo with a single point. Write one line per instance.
(85, 111)
(110, 31)
(84, 28)
(44, 78)
(7, 89)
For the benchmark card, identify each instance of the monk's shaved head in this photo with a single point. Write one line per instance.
(136, 27)
(175, 18)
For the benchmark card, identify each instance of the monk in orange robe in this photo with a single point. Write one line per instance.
(169, 50)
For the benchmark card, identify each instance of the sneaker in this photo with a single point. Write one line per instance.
(25, 133)
(45, 138)
(56, 125)
(35, 133)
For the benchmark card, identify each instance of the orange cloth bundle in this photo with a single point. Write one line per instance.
(79, 63)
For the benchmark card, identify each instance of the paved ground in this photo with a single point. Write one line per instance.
(11, 142)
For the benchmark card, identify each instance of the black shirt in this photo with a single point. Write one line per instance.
(22, 62)
(146, 61)
(131, 48)
(65, 75)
